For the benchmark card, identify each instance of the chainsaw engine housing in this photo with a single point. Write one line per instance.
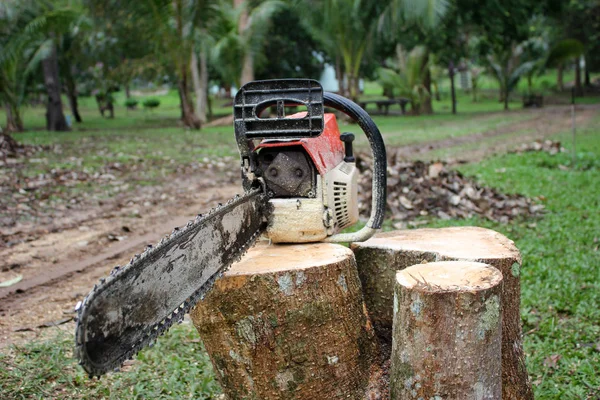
(313, 190)
(303, 163)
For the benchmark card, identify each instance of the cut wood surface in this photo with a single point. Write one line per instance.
(380, 257)
(289, 322)
(447, 332)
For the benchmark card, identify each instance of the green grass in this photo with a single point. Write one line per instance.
(176, 367)
(560, 296)
(560, 274)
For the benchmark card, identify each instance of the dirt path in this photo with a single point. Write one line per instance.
(59, 263)
(547, 122)
(59, 268)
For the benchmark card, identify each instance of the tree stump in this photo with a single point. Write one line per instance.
(289, 322)
(380, 257)
(447, 332)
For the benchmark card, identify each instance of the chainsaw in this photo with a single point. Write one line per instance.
(300, 185)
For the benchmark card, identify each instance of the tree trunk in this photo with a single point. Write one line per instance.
(14, 122)
(100, 104)
(559, 78)
(127, 91)
(447, 332)
(200, 81)
(339, 75)
(288, 322)
(248, 62)
(247, 68)
(72, 96)
(506, 97)
(380, 257)
(353, 89)
(587, 79)
(452, 87)
(189, 118)
(529, 84)
(55, 119)
(578, 83)
(427, 104)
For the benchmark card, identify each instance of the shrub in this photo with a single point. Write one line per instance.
(131, 103)
(151, 103)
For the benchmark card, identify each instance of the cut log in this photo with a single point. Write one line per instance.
(289, 322)
(447, 332)
(380, 257)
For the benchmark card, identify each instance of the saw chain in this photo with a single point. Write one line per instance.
(98, 351)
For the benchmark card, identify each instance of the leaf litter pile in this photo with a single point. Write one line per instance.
(417, 189)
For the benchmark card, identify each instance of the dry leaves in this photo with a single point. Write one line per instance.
(417, 188)
(550, 146)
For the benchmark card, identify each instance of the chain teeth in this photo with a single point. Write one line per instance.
(176, 316)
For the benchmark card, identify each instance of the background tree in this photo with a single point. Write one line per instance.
(404, 76)
(417, 23)
(241, 32)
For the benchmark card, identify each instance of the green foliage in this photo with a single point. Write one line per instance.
(131, 103)
(233, 42)
(405, 77)
(290, 52)
(151, 103)
(563, 51)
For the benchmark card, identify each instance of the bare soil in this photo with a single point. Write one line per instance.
(63, 258)
(547, 121)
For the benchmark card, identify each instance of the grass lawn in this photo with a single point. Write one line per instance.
(561, 269)
(560, 275)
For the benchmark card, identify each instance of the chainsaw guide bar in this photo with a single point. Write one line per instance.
(155, 289)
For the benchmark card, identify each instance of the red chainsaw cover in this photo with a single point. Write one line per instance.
(326, 150)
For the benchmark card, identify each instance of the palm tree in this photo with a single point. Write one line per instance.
(507, 66)
(27, 38)
(346, 30)
(404, 77)
(561, 53)
(239, 33)
(423, 15)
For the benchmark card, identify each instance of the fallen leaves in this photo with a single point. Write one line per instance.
(416, 188)
(549, 146)
(552, 361)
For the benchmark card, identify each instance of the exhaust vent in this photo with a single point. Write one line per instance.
(340, 204)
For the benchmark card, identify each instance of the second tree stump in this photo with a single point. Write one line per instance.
(446, 337)
(289, 322)
(380, 257)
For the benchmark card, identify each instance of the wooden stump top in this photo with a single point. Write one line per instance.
(448, 276)
(468, 242)
(266, 259)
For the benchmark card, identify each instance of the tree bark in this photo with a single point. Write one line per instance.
(506, 97)
(189, 118)
(127, 91)
(248, 62)
(200, 81)
(452, 88)
(447, 332)
(380, 257)
(427, 104)
(288, 322)
(14, 122)
(55, 119)
(72, 95)
(339, 75)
